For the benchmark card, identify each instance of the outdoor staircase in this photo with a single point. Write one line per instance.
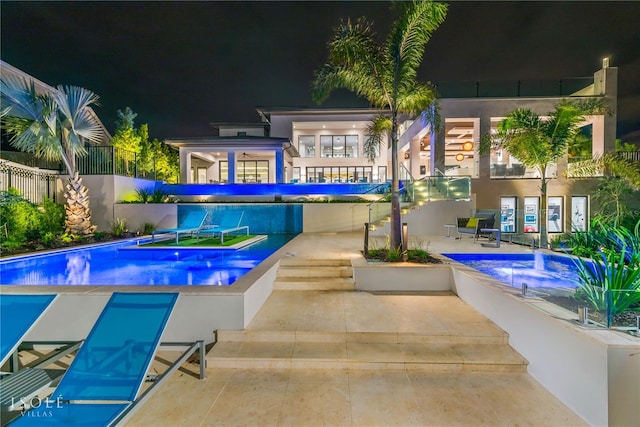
(314, 274)
(283, 343)
(422, 192)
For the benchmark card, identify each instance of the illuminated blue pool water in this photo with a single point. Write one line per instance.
(537, 270)
(114, 264)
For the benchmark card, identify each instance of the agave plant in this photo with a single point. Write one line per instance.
(611, 280)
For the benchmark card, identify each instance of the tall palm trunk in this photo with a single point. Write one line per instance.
(78, 220)
(544, 238)
(395, 225)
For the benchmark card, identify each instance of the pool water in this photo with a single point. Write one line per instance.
(123, 264)
(537, 270)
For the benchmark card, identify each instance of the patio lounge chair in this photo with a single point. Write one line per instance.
(192, 223)
(230, 222)
(104, 380)
(18, 314)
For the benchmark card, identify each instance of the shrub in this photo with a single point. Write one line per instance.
(143, 194)
(611, 280)
(52, 217)
(119, 227)
(20, 217)
(147, 228)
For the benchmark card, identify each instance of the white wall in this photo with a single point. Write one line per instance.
(162, 215)
(429, 220)
(105, 190)
(334, 217)
(579, 366)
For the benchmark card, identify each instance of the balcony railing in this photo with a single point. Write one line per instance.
(108, 160)
(513, 88)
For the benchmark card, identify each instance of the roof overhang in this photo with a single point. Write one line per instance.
(235, 143)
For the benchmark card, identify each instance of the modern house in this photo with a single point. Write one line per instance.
(300, 145)
(326, 146)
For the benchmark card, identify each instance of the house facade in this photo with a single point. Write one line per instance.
(330, 146)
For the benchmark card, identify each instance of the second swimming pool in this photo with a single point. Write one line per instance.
(537, 270)
(114, 264)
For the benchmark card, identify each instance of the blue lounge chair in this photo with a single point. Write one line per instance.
(230, 222)
(192, 223)
(107, 374)
(18, 314)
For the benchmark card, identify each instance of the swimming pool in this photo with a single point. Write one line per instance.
(124, 264)
(537, 270)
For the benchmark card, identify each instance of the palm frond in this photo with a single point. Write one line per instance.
(75, 103)
(377, 128)
(613, 164)
(418, 98)
(410, 35)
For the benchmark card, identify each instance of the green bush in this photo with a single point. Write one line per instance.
(20, 217)
(148, 228)
(119, 227)
(52, 217)
(611, 280)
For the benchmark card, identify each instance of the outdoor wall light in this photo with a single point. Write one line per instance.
(467, 146)
(459, 157)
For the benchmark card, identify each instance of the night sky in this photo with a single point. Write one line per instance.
(183, 65)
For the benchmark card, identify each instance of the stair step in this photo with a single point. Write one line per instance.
(313, 262)
(323, 355)
(314, 283)
(496, 337)
(313, 271)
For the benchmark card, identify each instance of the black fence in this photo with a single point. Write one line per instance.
(107, 160)
(511, 89)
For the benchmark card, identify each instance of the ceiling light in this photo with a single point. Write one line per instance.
(459, 157)
(467, 146)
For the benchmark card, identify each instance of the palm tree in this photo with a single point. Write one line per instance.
(386, 76)
(54, 125)
(538, 141)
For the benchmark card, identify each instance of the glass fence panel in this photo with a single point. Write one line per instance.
(623, 308)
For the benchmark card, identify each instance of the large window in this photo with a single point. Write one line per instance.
(246, 171)
(579, 213)
(339, 145)
(555, 215)
(340, 174)
(253, 171)
(223, 169)
(508, 209)
(531, 217)
(307, 145)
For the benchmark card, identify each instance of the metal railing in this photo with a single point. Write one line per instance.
(632, 156)
(33, 184)
(512, 88)
(108, 160)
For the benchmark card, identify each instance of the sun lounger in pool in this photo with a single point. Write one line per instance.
(192, 223)
(229, 223)
(108, 372)
(18, 314)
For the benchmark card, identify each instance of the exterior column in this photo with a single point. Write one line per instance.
(415, 157)
(437, 152)
(231, 167)
(279, 166)
(484, 164)
(185, 165)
